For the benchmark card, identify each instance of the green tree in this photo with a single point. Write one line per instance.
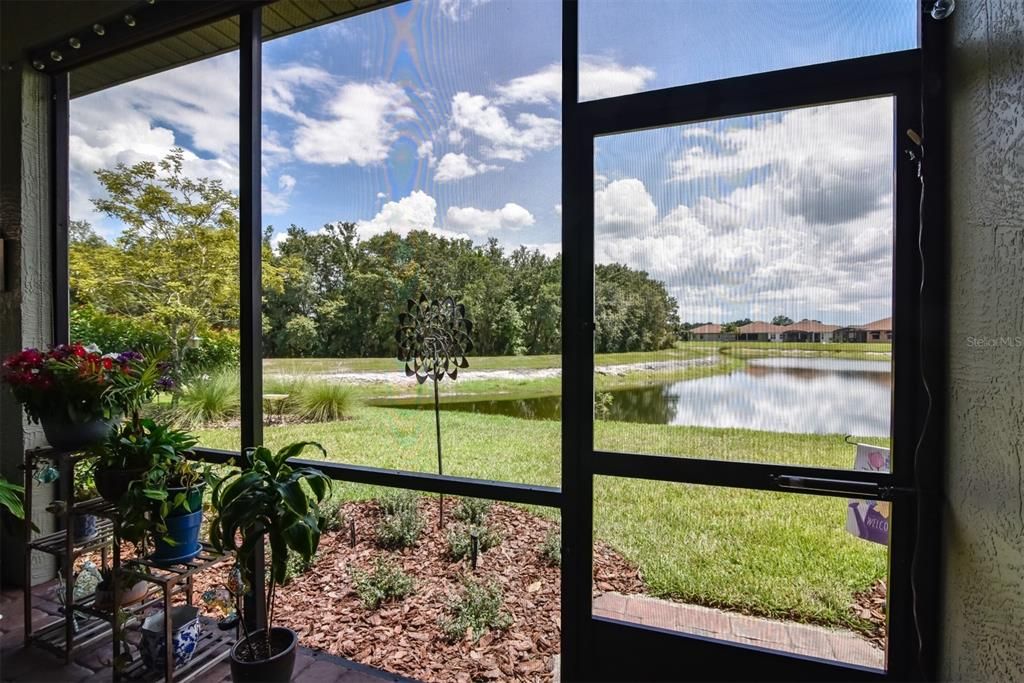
(782, 320)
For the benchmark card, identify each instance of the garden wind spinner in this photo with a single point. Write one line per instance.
(433, 339)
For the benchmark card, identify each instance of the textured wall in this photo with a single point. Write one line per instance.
(25, 301)
(984, 559)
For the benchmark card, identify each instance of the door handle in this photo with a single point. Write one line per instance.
(840, 487)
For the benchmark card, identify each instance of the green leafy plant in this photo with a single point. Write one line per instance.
(11, 498)
(460, 540)
(266, 498)
(385, 582)
(401, 523)
(324, 401)
(85, 483)
(162, 452)
(474, 612)
(472, 510)
(333, 514)
(551, 549)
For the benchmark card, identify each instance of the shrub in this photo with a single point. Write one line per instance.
(603, 405)
(334, 517)
(324, 401)
(296, 567)
(551, 549)
(401, 524)
(386, 582)
(474, 612)
(460, 541)
(207, 398)
(472, 510)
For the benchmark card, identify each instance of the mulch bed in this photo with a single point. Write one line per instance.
(870, 605)
(404, 637)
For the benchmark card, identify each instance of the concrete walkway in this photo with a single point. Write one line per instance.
(815, 641)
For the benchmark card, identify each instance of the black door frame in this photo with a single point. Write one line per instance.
(596, 648)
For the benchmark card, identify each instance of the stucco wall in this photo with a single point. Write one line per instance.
(983, 620)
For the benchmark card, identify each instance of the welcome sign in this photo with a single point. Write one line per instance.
(869, 519)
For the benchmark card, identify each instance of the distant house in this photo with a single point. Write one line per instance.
(809, 331)
(709, 332)
(879, 330)
(761, 331)
(853, 334)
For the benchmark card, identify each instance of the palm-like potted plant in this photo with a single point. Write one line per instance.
(267, 498)
(164, 502)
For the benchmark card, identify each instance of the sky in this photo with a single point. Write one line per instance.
(444, 115)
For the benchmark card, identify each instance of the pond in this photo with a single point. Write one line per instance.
(803, 395)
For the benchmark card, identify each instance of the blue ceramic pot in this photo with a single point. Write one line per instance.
(185, 628)
(184, 531)
(84, 527)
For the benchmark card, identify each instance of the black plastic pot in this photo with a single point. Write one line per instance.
(277, 669)
(64, 434)
(113, 483)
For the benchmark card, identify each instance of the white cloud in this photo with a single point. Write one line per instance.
(478, 115)
(457, 10)
(792, 214)
(599, 77)
(425, 150)
(275, 203)
(457, 166)
(480, 222)
(361, 126)
(558, 209)
(418, 211)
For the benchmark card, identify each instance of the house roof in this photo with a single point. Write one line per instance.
(883, 325)
(759, 327)
(810, 326)
(710, 328)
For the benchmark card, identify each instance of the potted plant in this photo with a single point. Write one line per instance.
(131, 588)
(164, 503)
(84, 526)
(268, 498)
(78, 394)
(66, 390)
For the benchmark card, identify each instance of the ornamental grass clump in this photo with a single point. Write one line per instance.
(477, 610)
(208, 399)
(324, 402)
(384, 583)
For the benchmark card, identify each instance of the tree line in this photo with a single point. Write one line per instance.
(172, 275)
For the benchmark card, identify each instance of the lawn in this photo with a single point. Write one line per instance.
(767, 553)
(302, 366)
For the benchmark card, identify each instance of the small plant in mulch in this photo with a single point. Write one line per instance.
(401, 523)
(384, 583)
(472, 510)
(474, 612)
(551, 549)
(333, 515)
(460, 540)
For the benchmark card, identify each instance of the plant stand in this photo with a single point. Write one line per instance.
(61, 637)
(94, 624)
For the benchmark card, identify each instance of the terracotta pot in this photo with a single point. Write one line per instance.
(129, 596)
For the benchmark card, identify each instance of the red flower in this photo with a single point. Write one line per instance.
(108, 364)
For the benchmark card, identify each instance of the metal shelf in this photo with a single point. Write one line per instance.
(56, 543)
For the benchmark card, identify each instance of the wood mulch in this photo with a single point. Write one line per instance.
(870, 605)
(404, 637)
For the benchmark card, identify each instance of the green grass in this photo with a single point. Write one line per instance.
(773, 554)
(302, 366)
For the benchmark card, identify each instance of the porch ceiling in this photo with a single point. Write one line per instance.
(279, 19)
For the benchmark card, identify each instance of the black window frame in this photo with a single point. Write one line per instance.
(917, 75)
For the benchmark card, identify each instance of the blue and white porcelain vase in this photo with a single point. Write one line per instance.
(185, 628)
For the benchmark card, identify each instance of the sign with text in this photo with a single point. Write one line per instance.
(869, 519)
